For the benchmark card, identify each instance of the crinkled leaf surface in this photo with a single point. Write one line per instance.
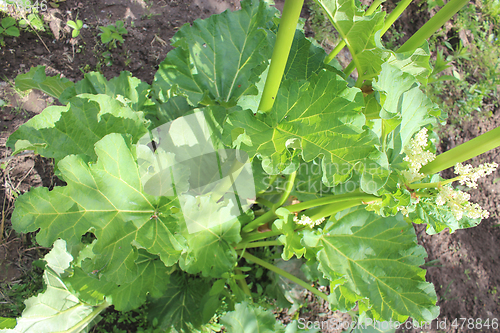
(378, 258)
(210, 251)
(152, 279)
(392, 196)
(404, 101)
(182, 304)
(439, 218)
(415, 62)
(305, 58)
(248, 318)
(219, 58)
(93, 288)
(108, 197)
(56, 309)
(322, 118)
(290, 238)
(36, 79)
(132, 91)
(360, 34)
(61, 131)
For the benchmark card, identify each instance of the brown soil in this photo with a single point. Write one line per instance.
(465, 265)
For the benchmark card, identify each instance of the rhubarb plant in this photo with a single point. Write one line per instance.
(250, 137)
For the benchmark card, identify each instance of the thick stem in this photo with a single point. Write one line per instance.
(284, 39)
(433, 185)
(290, 182)
(255, 236)
(285, 274)
(394, 15)
(342, 44)
(242, 283)
(463, 152)
(357, 195)
(264, 202)
(257, 244)
(270, 215)
(332, 209)
(261, 220)
(87, 320)
(433, 25)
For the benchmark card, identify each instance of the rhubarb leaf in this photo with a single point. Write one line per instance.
(378, 258)
(74, 129)
(321, 118)
(107, 196)
(217, 59)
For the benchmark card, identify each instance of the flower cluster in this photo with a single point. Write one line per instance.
(417, 156)
(469, 175)
(458, 201)
(306, 220)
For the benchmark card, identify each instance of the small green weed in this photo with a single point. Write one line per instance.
(32, 21)
(108, 58)
(113, 33)
(320, 24)
(76, 26)
(474, 73)
(14, 294)
(8, 28)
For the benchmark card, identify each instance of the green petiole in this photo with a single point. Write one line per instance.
(285, 274)
(477, 146)
(284, 39)
(433, 25)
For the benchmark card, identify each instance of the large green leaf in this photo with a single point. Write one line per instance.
(36, 79)
(92, 288)
(378, 258)
(60, 131)
(152, 279)
(182, 304)
(128, 89)
(305, 58)
(360, 34)
(203, 178)
(219, 58)
(409, 107)
(414, 62)
(107, 196)
(210, 250)
(322, 118)
(57, 309)
(248, 318)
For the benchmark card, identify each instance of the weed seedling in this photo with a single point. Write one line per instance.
(7, 28)
(113, 33)
(76, 26)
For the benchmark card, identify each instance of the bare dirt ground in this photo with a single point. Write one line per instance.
(465, 266)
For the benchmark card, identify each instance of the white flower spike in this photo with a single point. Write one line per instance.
(306, 220)
(458, 201)
(417, 156)
(470, 175)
